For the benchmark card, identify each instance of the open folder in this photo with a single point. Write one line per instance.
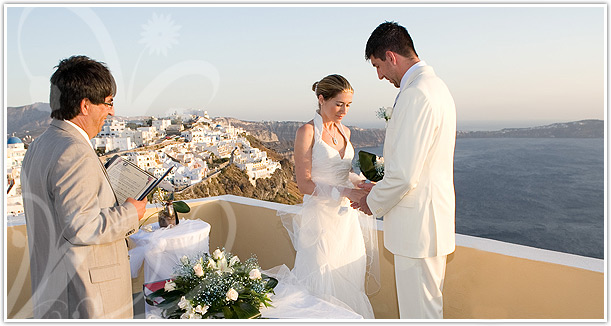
(128, 180)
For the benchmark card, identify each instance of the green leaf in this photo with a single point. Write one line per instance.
(228, 313)
(167, 304)
(245, 310)
(181, 207)
(154, 295)
(270, 282)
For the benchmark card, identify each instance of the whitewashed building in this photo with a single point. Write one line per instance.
(161, 124)
(221, 149)
(111, 143)
(144, 160)
(15, 151)
(145, 136)
(200, 134)
(255, 163)
(112, 128)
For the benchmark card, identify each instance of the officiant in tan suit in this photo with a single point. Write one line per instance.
(416, 196)
(76, 229)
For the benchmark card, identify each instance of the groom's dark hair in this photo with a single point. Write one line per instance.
(389, 36)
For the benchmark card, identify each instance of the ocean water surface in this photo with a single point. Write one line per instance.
(541, 192)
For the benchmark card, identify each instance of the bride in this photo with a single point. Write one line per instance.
(336, 245)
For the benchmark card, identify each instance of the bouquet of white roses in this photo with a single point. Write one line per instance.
(371, 165)
(215, 286)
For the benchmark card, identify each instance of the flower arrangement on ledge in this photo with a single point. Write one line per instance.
(215, 286)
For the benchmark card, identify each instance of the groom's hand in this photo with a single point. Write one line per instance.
(361, 202)
(355, 195)
(363, 207)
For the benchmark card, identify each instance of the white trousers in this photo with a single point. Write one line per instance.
(419, 286)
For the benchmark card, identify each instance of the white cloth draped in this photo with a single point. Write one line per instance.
(162, 249)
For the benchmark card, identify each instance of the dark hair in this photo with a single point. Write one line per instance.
(330, 86)
(389, 36)
(75, 79)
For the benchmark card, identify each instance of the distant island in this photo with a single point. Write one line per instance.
(576, 129)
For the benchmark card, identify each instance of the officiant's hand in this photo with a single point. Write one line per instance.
(140, 206)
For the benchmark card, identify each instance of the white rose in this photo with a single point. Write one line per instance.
(184, 303)
(201, 310)
(234, 260)
(217, 254)
(184, 260)
(169, 286)
(232, 295)
(211, 264)
(254, 274)
(199, 271)
(223, 266)
(190, 314)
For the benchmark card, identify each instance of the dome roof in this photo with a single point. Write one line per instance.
(13, 140)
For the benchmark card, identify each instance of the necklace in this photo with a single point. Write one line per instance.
(332, 137)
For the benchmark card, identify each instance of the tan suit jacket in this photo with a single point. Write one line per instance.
(76, 231)
(416, 196)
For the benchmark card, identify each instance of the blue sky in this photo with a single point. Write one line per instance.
(258, 62)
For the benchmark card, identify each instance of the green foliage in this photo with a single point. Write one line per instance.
(181, 207)
(215, 286)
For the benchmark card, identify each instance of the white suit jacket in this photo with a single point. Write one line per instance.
(416, 195)
(76, 231)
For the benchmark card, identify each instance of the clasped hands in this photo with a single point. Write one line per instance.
(358, 197)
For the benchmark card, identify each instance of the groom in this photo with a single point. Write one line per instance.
(416, 196)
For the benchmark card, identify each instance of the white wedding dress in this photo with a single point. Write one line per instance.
(336, 245)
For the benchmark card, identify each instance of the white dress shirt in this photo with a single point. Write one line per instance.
(81, 131)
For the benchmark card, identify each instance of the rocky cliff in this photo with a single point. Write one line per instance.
(29, 120)
(280, 187)
(284, 131)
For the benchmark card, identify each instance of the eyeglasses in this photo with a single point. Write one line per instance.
(109, 104)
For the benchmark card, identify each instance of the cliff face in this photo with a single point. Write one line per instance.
(280, 187)
(367, 137)
(29, 120)
(284, 132)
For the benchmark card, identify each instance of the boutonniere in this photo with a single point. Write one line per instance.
(384, 113)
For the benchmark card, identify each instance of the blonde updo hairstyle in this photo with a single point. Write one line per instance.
(331, 86)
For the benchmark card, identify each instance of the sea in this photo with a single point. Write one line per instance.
(540, 192)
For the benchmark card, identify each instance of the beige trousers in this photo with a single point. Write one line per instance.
(419, 286)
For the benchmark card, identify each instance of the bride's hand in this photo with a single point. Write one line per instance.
(366, 185)
(355, 195)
